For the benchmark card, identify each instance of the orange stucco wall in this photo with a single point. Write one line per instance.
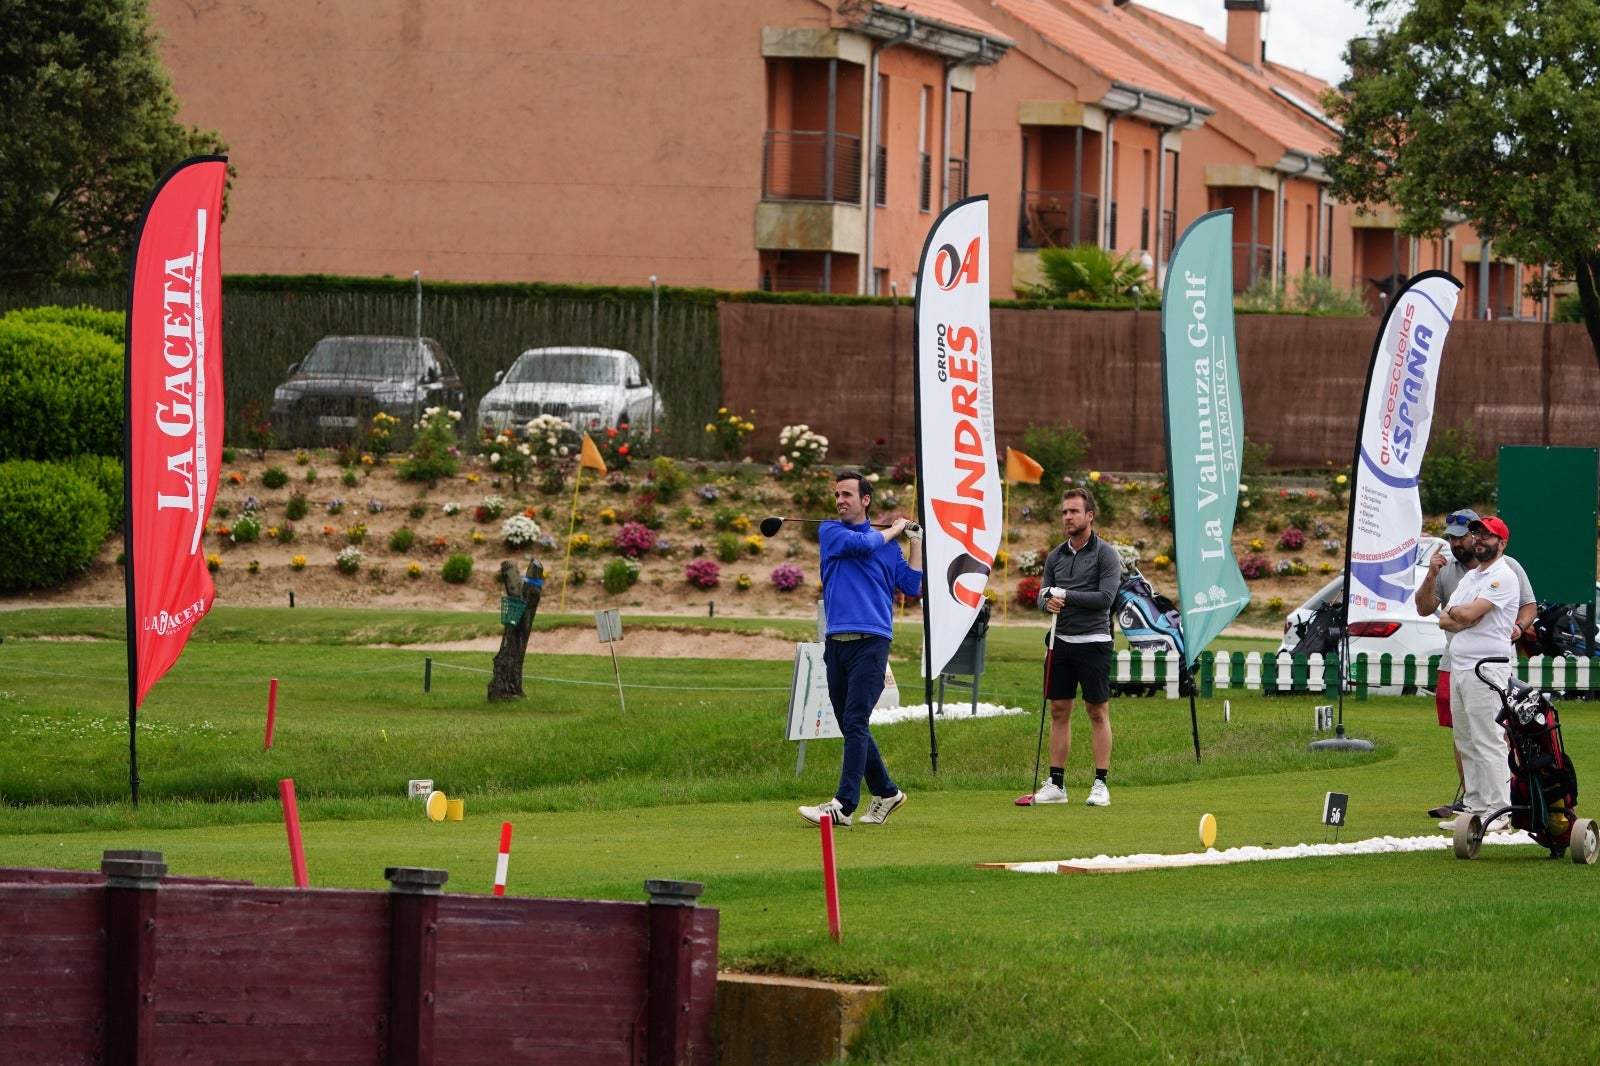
(596, 142)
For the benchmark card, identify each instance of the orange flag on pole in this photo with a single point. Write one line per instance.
(1020, 467)
(591, 456)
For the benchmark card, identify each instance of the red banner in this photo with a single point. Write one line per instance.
(174, 405)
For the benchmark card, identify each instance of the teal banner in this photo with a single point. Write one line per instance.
(1205, 427)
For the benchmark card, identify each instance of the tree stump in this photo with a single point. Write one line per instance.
(506, 683)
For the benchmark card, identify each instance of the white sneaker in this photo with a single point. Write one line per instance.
(1050, 792)
(831, 808)
(881, 807)
(1501, 824)
(1099, 795)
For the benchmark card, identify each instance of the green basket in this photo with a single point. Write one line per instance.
(512, 608)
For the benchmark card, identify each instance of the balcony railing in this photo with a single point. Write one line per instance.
(925, 182)
(958, 179)
(807, 165)
(1056, 219)
(881, 196)
(1250, 265)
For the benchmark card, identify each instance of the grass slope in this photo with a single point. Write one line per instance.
(1394, 958)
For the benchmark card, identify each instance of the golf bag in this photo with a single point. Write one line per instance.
(1151, 623)
(1561, 630)
(1321, 633)
(1544, 785)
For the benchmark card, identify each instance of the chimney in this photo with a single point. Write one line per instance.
(1244, 30)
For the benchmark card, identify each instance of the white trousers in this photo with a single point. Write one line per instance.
(1480, 741)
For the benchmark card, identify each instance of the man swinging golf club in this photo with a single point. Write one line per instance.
(1078, 586)
(861, 568)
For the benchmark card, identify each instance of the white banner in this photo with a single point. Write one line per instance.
(1396, 416)
(958, 467)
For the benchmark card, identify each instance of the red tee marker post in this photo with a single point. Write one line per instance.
(503, 863)
(272, 710)
(291, 819)
(830, 877)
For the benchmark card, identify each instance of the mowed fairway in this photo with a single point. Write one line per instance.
(1389, 958)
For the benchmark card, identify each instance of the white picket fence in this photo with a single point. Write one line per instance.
(1288, 673)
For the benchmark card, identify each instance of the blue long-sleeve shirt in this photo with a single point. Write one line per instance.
(860, 571)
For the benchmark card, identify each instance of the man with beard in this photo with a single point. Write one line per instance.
(1444, 576)
(1482, 615)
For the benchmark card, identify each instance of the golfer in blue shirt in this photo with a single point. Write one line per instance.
(861, 569)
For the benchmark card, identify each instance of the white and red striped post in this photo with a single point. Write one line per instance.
(503, 863)
(830, 877)
(272, 709)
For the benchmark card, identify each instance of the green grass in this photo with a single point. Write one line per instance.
(1391, 958)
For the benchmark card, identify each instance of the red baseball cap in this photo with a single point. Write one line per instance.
(1492, 526)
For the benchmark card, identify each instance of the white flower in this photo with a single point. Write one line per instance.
(519, 530)
(494, 457)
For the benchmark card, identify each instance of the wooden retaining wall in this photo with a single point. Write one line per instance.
(132, 966)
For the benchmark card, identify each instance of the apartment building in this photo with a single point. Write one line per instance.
(779, 144)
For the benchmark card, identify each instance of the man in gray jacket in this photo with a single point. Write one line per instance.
(1078, 586)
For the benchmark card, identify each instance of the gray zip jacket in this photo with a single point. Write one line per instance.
(1090, 577)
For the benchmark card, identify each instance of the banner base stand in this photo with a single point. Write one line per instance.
(1340, 743)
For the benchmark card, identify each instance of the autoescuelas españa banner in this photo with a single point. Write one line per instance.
(173, 381)
(1205, 427)
(1396, 416)
(958, 468)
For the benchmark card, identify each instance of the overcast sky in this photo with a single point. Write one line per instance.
(1308, 35)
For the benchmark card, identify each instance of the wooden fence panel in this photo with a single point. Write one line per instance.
(272, 975)
(52, 972)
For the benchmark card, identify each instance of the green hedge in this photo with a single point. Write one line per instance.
(52, 521)
(113, 324)
(105, 473)
(60, 390)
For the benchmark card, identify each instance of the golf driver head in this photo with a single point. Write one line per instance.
(770, 526)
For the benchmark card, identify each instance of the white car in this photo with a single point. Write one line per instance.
(589, 388)
(1403, 632)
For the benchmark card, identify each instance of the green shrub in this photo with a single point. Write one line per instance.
(52, 520)
(60, 391)
(297, 506)
(112, 324)
(434, 453)
(106, 473)
(401, 540)
(274, 477)
(619, 575)
(1452, 475)
(1060, 449)
(669, 481)
(247, 528)
(727, 547)
(457, 568)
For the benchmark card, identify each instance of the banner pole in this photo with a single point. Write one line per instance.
(1194, 725)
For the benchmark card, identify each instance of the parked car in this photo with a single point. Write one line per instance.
(1316, 625)
(331, 395)
(590, 388)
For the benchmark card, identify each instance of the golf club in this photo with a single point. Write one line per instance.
(772, 523)
(1044, 707)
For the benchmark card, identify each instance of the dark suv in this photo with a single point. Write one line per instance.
(331, 395)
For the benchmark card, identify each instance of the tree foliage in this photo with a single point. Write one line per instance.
(87, 128)
(1487, 111)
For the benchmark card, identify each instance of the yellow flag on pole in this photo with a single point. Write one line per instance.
(1020, 467)
(591, 456)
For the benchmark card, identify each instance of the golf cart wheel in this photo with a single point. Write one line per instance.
(1467, 836)
(1585, 841)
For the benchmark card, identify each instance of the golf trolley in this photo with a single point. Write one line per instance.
(1544, 785)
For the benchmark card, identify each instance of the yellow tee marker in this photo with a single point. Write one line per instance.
(1208, 830)
(438, 804)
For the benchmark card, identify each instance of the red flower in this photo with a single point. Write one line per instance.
(611, 431)
(622, 450)
(1165, 519)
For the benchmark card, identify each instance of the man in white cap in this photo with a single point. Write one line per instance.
(1482, 615)
(1445, 571)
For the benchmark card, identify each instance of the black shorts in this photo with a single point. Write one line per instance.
(1074, 665)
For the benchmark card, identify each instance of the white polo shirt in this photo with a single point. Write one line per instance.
(1491, 636)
